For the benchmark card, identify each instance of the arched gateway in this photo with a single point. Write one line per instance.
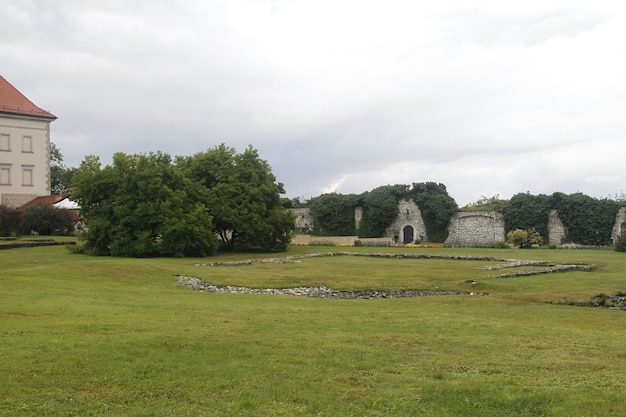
(408, 234)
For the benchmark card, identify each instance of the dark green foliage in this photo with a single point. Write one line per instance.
(141, 206)
(437, 208)
(295, 202)
(147, 205)
(380, 208)
(588, 220)
(333, 214)
(243, 197)
(620, 245)
(46, 220)
(9, 221)
(60, 175)
(617, 301)
(526, 211)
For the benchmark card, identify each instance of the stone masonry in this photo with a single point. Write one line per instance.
(556, 229)
(466, 228)
(408, 222)
(620, 225)
(476, 228)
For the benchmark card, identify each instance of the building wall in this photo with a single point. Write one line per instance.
(476, 228)
(556, 229)
(304, 219)
(24, 159)
(409, 215)
(620, 225)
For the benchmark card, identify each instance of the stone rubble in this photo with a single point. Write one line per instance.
(365, 254)
(197, 284)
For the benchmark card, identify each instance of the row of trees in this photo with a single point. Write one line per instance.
(334, 213)
(155, 205)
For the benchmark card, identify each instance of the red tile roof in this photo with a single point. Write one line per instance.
(14, 102)
(47, 199)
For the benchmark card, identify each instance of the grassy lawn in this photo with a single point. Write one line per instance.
(89, 336)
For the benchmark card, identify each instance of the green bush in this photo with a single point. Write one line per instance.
(44, 219)
(9, 221)
(524, 238)
(620, 245)
(334, 214)
(500, 245)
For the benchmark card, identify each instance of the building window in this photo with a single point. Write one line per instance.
(27, 176)
(5, 142)
(5, 175)
(27, 144)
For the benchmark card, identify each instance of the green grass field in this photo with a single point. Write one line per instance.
(94, 336)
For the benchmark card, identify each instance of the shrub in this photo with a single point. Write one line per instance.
(620, 245)
(524, 238)
(500, 245)
(46, 220)
(9, 221)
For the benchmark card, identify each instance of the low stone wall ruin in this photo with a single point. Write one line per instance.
(466, 228)
(476, 228)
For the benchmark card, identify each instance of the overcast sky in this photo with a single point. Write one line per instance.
(486, 97)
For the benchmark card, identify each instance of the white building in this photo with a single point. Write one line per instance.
(24, 148)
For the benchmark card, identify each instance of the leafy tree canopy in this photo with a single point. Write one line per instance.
(151, 205)
(588, 220)
(333, 214)
(60, 175)
(140, 206)
(242, 195)
(526, 211)
(437, 207)
(380, 208)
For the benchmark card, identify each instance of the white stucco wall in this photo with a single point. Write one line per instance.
(24, 159)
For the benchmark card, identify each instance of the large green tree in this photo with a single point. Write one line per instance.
(333, 214)
(380, 208)
(142, 205)
(526, 211)
(243, 197)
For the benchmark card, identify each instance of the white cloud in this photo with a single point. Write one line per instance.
(487, 97)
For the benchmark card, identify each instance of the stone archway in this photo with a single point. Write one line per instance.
(408, 234)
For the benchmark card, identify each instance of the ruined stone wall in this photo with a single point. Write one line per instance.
(618, 228)
(476, 228)
(304, 219)
(466, 228)
(556, 230)
(409, 215)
